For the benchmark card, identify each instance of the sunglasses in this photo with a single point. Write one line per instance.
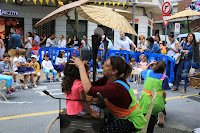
(160, 43)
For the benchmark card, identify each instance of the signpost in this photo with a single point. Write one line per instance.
(177, 28)
(166, 9)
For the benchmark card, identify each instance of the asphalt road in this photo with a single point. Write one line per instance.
(182, 113)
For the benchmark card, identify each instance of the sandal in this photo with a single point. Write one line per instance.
(183, 91)
(175, 89)
(26, 87)
(33, 84)
(37, 82)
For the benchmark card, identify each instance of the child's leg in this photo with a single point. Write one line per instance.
(54, 73)
(8, 81)
(38, 77)
(15, 78)
(25, 79)
(32, 78)
(47, 72)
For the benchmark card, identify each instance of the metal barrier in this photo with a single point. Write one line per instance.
(170, 62)
(53, 53)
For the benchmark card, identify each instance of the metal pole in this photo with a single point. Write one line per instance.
(133, 20)
(76, 21)
(166, 35)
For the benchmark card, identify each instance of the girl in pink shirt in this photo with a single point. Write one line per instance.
(73, 89)
(143, 62)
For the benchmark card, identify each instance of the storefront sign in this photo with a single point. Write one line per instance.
(2, 12)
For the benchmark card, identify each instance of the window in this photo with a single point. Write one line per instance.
(82, 28)
(47, 28)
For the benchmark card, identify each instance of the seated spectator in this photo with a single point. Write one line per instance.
(6, 74)
(153, 47)
(16, 65)
(141, 43)
(49, 42)
(62, 42)
(162, 48)
(48, 67)
(60, 64)
(25, 69)
(134, 65)
(35, 65)
(143, 63)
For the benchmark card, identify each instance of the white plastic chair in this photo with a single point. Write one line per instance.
(2, 85)
(148, 115)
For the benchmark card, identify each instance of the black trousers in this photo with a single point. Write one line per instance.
(152, 123)
(119, 126)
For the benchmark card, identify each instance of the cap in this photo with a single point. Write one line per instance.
(34, 56)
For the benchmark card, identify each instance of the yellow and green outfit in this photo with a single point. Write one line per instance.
(159, 82)
(133, 114)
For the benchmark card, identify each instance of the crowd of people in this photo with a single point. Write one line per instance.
(126, 114)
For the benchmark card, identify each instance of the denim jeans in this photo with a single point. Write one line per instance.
(48, 71)
(183, 65)
(9, 80)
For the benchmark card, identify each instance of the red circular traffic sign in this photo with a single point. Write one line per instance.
(166, 8)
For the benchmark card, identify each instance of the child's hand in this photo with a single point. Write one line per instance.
(95, 114)
(153, 62)
(12, 72)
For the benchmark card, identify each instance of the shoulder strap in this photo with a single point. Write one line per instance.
(148, 72)
(163, 77)
(123, 83)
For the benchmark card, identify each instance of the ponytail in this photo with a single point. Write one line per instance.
(127, 71)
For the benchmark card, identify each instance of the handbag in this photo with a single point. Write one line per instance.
(177, 57)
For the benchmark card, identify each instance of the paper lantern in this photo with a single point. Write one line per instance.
(14, 22)
(8, 22)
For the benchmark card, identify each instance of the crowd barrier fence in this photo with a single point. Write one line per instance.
(170, 62)
(53, 53)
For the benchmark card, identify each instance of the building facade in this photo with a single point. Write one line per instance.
(24, 16)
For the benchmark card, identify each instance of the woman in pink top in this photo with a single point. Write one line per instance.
(73, 89)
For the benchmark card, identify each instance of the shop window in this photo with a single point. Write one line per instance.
(149, 31)
(82, 28)
(47, 28)
(7, 23)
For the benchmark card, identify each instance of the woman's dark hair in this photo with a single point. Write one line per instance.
(158, 37)
(121, 66)
(49, 36)
(75, 36)
(6, 55)
(60, 54)
(171, 35)
(71, 73)
(159, 67)
(194, 39)
(30, 34)
(150, 39)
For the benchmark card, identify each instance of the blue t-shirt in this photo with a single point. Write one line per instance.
(152, 74)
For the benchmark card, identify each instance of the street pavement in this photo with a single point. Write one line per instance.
(30, 111)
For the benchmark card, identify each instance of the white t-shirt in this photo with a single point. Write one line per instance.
(14, 65)
(49, 42)
(62, 44)
(22, 59)
(60, 60)
(47, 64)
(29, 43)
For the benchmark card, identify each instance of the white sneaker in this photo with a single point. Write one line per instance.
(170, 84)
(60, 79)
(16, 84)
(62, 74)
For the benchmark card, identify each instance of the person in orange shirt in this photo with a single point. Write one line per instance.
(35, 65)
(162, 48)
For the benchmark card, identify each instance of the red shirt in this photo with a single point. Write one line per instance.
(116, 93)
